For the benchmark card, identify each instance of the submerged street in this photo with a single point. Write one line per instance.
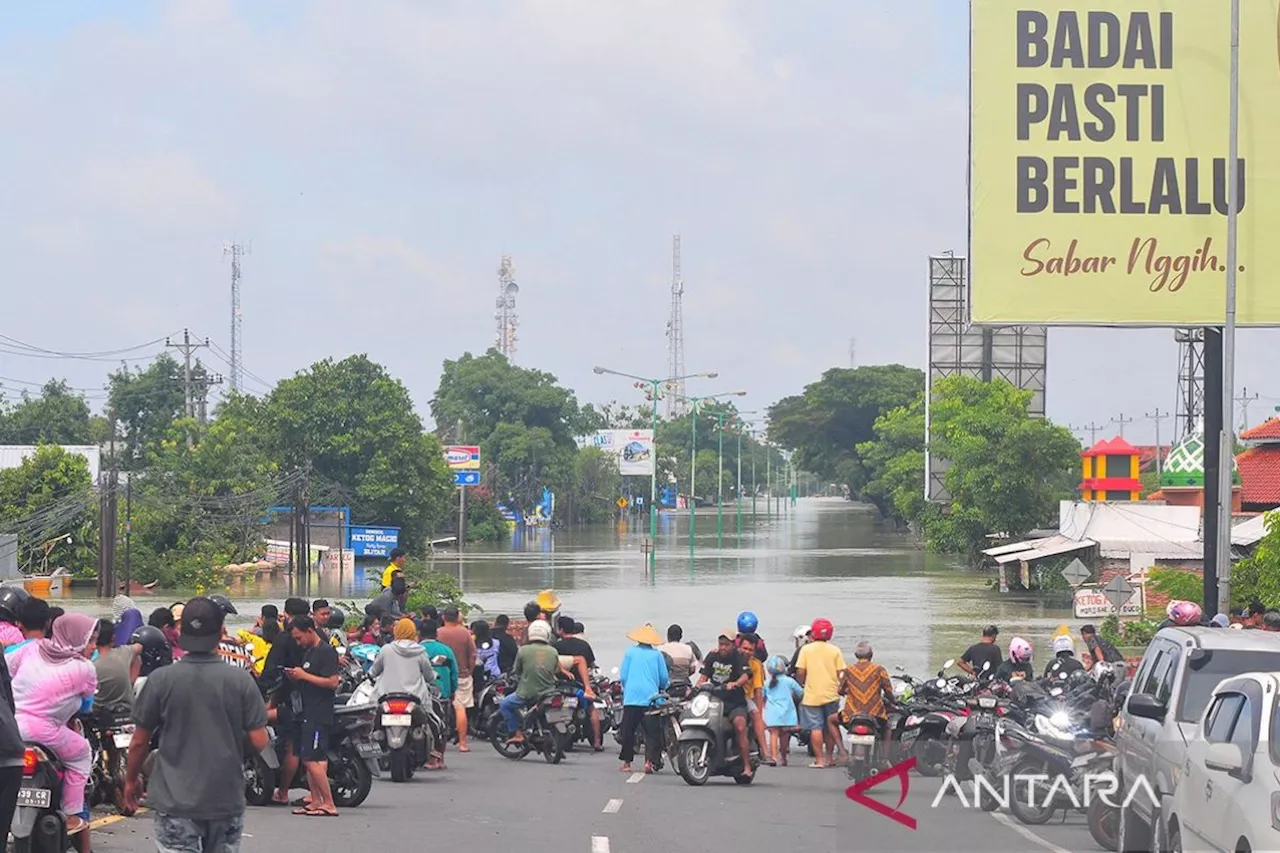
(484, 802)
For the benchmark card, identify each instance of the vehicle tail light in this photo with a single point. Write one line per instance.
(398, 706)
(861, 730)
(30, 758)
(557, 702)
(500, 688)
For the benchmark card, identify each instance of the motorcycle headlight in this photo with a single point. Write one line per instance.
(1048, 726)
(700, 705)
(1060, 719)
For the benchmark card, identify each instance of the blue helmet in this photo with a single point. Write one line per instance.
(747, 622)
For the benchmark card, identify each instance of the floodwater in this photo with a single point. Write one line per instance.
(822, 557)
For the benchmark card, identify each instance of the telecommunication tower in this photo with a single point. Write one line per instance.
(505, 340)
(675, 337)
(1190, 382)
(236, 251)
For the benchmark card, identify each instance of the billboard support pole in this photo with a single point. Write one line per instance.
(1227, 436)
(1212, 461)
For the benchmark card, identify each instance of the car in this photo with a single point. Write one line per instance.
(1171, 689)
(1229, 792)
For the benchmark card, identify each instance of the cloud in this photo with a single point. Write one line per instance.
(161, 191)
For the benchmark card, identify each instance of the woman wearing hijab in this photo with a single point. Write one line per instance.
(402, 666)
(643, 674)
(126, 623)
(52, 681)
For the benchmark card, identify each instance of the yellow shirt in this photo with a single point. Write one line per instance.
(822, 663)
(390, 570)
(757, 677)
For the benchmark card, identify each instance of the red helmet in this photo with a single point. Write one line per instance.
(822, 629)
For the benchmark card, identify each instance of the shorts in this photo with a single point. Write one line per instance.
(314, 742)
(465, 694)
(814, 717)
(731, 711)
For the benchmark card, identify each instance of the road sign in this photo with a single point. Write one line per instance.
(462, 457)
(1076, 572)
(1118, 592)
(466, 478)
(622, 503)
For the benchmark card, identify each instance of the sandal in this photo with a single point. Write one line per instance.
(319, 813)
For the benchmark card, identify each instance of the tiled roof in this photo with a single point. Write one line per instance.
(1260, 473)
(1111, 447)
(1265, 431)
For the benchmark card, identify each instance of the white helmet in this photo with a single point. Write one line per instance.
(1064, 643)
(539, 631)
(802, 632)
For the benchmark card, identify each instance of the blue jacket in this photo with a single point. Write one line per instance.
(643, 673)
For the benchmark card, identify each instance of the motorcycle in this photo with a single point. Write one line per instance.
(352, 756)
(545, 725)
(411, 732)
(109, 737)
(486, 705)
(708, 743)
(39, 824)
(1039, 761)
(864, 747)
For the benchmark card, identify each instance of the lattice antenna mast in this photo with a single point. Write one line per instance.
(1190, 408)
(236, 251)
(675, 337)
(506, 317)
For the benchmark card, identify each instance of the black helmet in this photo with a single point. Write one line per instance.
(11, 600)
(224, 603)
(337, 618)
(156, 651)
(1078, 679)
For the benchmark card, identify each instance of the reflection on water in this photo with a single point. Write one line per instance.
(827, 558)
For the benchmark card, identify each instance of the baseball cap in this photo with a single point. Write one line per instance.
(201, 626)
(728, 634)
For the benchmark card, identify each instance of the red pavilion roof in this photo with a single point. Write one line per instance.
(1111, 447)
(1265, 431)
(1260, 475)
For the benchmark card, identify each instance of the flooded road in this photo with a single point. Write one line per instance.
(824, 557)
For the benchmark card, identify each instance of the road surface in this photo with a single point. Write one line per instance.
(585, 804)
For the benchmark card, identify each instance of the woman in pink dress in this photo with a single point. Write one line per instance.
(52, 679)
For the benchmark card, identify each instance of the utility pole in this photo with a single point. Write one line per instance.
(1122, 420)
(462, 502)
(1093, 430)
(204, 383)
(1244, 400)
(1158, 416)
(187, 348)
(107, 521)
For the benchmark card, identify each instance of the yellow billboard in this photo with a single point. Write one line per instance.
(1098, 162)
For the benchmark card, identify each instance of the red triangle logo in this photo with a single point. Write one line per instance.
(900, 771)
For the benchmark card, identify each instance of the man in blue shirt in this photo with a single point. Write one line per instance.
(643, 673)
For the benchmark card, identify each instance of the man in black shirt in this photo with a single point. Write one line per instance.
(507, 647)
(317, 680)
(572, 644)
(984, 652)
(284, 702)
(1098, 650)
(727, 671)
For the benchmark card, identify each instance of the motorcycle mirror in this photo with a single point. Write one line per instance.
(986, 666)
(948, 663)
(898, 668)
(341, 650)
(614, 672)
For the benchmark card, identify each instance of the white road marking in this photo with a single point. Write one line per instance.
(1025, 833)
(612, 807)
(635, 778)
(599, 844)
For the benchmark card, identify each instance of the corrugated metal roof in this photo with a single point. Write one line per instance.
(12, 456)
(1249, 533)
(1051, 547)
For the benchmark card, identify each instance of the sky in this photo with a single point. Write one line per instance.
(379, 159)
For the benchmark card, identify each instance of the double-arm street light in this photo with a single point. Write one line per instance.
(740, 426)
(695, 403)
(653, 476)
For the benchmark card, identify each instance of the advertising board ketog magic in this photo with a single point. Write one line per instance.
(1098, 162)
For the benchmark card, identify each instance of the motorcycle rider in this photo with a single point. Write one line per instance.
(1019, 663)
(1098, 649)
(748, 623)
(571, 644)
(388, 606)
(155, 650)
(536, 668)
(1064, 659)
(803, 635)
(34, 619)
(117, 668)
(682, 662)
(402, 666)
(11, 600)
(1183, 613)
(868, 692)
(726, 670)
(230, 649)
(747, 644)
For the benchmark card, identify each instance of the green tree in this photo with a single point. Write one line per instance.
(147, 402)
(1258, 577)
(596, 486)
(825, 424)
(55, 416)
(895, 463)
(47, 498)
(1009, 471)
(356, 427)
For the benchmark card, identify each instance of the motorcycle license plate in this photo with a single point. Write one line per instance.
(862, 739)
(559, 716)
(397, 719)
(33, 798)
(571, 702)
(368, 750)
(122, 739)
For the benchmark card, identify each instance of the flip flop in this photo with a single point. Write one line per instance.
(302, 811)
(817, 766)
(319, 813)
(302, 803)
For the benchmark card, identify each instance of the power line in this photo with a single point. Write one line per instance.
(1121, 421)
(1158, 416)
(1244, 400)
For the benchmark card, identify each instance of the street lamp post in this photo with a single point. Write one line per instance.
(737, 500)
(653, 474)
(695, 403)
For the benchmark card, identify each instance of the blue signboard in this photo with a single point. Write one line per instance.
(466, 478)
(374, 541)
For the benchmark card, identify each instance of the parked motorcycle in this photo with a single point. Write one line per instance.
(109, 736)
(410, 732)
(39, 824)
(864, 747)
(708, 744)
(352, 755)
(545, 725)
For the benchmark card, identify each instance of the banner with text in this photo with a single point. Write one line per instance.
(632, 447)
(1098, 162)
